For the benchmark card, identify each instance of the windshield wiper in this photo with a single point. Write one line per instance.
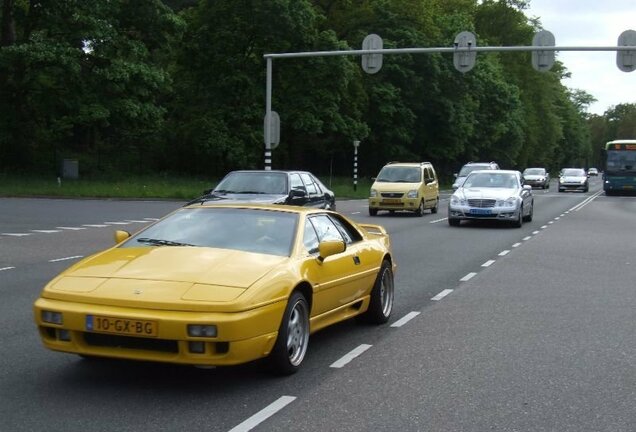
(251, 192)
(161, 242)
(221, 191)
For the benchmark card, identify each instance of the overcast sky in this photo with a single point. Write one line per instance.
(591, 23)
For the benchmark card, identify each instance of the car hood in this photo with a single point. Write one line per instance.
(485, 193)
(162, 277)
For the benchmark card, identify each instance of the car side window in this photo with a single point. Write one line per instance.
(349, 233)
(310, 238)
(296, 182)
(325, 228)
(309, 184)
(428, 177)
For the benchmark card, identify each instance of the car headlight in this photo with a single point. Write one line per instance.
(583, 181)
(458, 201)
(412, 194)
(373, 193)
(509, 203)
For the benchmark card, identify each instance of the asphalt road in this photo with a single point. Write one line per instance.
(494, 328)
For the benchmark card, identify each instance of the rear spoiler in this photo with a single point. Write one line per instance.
(373, 229)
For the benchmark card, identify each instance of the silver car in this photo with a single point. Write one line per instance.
(495, 195)
(537, 177)
(573, 179)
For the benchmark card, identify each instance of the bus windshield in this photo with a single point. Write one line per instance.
(621, 160)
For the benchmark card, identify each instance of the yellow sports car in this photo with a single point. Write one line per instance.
(221, 285)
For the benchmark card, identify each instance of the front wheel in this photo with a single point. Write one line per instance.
(372, 211)
(519, 222)
(528, 217)
(382, 295)
(420, 209)
(293, 336)
(454, 222)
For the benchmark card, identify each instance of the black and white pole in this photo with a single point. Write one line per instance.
(356, 144)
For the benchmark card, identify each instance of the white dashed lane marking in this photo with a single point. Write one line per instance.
(117, 223)
(504, 252)
(516, 245)
(71, 228)
(439, 220)
(263, 414)
(46, 231)
(488, 263)
(406, 318)
(95, 226)
(350, 356)
(442, 294)
(468, 277)
(6, 268)
(17, 234)
(526, 238)
(66, 258)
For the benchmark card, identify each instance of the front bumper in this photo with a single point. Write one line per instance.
(536, 183)
(403, 203)
(241, 336)
(573, 186)
(495, 213)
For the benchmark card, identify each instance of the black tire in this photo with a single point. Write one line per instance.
(293, 337)
(420, 209)
(519, 222)
(382, 295)
(586, 189)
(435, 208)
(372, 211)
(528, 218)
(454, 222)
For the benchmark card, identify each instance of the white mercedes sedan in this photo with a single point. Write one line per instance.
(492, 194)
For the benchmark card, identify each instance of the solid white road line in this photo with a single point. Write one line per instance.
(46, 231)
(516, 245)
(406, 318)
(17, 234)
(504, 252)
(67, 258)
(587, 201)
(438, 220)
(264, 414)
(350, 356)
(71, 228)
(6, 268)
(488, 263)
(442, 294)
(468, 277)
(95, 226)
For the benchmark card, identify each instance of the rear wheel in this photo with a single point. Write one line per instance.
(435, 207)
(293, 336)
(382, 295)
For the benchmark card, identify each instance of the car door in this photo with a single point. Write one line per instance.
(315, 196)
(430, 187)
(341, 278)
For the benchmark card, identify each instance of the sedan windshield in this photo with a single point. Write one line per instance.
(467, 169)
(249, 230)
(573, 172)
(253, 183)
(534, 171)
(488, 180)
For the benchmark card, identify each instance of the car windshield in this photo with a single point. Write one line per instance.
(400, 174)
(253, 183)
(573, 172)
(491, 180)
(467, 169)
(534, 171)
(250, 230)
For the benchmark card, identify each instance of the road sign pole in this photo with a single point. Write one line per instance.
(268, 117)
(356, 144)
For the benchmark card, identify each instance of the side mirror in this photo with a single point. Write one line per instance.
(527, 187)
(455, 175)
(330, 247)
(297, 193)
(120, 236)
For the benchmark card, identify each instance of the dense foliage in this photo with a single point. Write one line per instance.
(179, 86)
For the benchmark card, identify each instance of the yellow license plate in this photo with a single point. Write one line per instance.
(122, 326)
(628, 187)
(391, 201)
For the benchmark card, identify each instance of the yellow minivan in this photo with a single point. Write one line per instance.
(410, 186)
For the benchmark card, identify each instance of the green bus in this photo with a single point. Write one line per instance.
(620, 167)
